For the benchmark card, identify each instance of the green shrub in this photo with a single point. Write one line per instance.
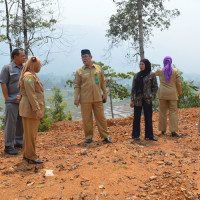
(189, 97)
(46, 122)
(69, 116)
(56, 111)
(2, 118)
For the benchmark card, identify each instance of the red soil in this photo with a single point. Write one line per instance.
(167, 169)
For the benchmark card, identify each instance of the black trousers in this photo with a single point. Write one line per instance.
(148, 120)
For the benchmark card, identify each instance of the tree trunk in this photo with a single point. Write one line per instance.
(25, 28)
(141, 40)
(111, 105)
(8, 28)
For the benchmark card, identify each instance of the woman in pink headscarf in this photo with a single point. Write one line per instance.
(168, 93)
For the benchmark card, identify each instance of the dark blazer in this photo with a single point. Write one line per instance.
(149, 90)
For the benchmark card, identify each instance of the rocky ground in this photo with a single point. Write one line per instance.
(167, 169)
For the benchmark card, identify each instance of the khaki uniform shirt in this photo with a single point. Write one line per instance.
(32, 97)
(88, 84)
(169, 90)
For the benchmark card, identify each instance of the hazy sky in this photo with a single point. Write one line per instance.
(181, 41)
(85, 23)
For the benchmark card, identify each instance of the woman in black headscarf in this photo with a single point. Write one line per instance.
(143, 92)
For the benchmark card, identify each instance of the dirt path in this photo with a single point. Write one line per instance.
(167, 169)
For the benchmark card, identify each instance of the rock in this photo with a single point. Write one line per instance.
(90, 163)
(153, 178)
(156, 192)
(101, 187)
(29, 183)
(188, 194)
(178, 173)
(104, 194)
(83, 152)
(160, 162)
(163, 186)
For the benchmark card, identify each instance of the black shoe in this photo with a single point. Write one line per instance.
(163, 132)
(34, 161)
(88, 140)
(108, 140)
(174, 134)
(153, 138)
(136, 138)
(10, 150)
(18, 146)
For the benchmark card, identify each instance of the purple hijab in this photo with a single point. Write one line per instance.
(167, 68)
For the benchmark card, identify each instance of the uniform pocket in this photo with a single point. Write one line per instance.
(14, 77)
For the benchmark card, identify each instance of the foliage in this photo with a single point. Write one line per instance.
(46, 122)
(126, 24)
(115, 89)
(56, 111)
(2, 118)
(30, 23)
(189, 96)
(57, 106)
(69, 116)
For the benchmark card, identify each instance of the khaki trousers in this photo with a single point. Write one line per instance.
(98, 110)
(173, 115)
(30, 134)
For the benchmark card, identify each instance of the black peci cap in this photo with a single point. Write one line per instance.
(85, 51)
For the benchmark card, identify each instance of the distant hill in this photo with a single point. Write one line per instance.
(52, 79)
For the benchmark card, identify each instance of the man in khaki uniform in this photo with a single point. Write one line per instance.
(88, 84)
(168, 93)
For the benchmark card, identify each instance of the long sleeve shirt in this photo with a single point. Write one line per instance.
(169, 90)
(32, 97)
(89, 84)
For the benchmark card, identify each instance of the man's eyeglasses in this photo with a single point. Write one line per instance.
(85, 57)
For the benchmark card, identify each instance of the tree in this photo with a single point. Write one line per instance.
(55, 112)
(115, 89)
(57, 106)
(30, 23)
(134, 23)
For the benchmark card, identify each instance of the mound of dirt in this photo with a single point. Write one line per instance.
(167, 169)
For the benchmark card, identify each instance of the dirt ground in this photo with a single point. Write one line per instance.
(125, 170)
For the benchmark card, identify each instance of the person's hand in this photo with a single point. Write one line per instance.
(104, 98)
(38, 114)
(18, 97)
(76, 103)
(132, 104)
